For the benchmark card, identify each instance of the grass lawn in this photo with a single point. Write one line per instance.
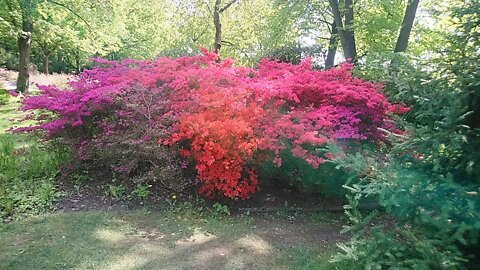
(10, 116)
(180, 238)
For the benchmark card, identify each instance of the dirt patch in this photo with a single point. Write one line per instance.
(256, 248)
(291, 233)
(93, 195)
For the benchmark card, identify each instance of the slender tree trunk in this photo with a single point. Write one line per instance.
(217, 11)
(349, 34)
(332, 47)
(61, 67)
(217, 45)
(77, 63)
(25, 47)
(403, 36)
(407, 24)
(46, 58)
(346, 34)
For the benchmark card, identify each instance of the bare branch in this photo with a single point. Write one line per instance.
(71, 10)
(227, 6)
(227, 43)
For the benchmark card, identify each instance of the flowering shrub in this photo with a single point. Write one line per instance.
(224, 119)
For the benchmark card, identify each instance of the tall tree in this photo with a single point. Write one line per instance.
(217, 11)
(332, 46)
(27, 8)
(345, 30)
(303, 28)
(29, 11)
(49, 33)
(374, 32)
(407, 24)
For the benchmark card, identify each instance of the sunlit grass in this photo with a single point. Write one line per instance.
(11, 116)
(101, 240)
(173, 239)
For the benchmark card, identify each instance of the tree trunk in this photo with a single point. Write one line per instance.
(349, 34)
(407, 24)
(332, 47)
(77, 63)
(45, 63)
(217, 45)
(346, 34)
(25, 47)
(59, 60)
(46, 57)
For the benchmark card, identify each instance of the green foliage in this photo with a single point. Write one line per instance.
(444, 95)
(81, 178)
(220, 209)
(327, 179)
(4, 96)
(68, 32)
(397, 249)
(141, 191)
(27, 172)
(435, 226)
(429, 181)
(377, 26)
(116, 191)
(8, 58)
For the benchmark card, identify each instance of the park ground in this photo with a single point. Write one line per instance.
(94, 231)
(178, 238)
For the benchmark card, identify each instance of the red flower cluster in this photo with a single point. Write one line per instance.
(220, 116)
(222, 141)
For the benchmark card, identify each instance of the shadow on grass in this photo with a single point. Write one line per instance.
(10, 116)
(107, 240)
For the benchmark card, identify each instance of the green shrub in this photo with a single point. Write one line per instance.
(397, 249)
(4, 96)
(27, 172)
(116, 191)
(435, 219)
(141, 191)
(430, 184)
(326, 179)
(219, 210)
(8, 59)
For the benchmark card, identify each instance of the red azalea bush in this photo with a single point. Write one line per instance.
(219, 116)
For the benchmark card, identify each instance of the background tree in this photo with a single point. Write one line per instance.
(407, 24)
(343, 17)
(28, 9)
(22, 15)
(218, 9)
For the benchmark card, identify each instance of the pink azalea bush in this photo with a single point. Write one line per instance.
(222, 119)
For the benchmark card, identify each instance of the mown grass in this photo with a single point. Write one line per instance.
(173, 239)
